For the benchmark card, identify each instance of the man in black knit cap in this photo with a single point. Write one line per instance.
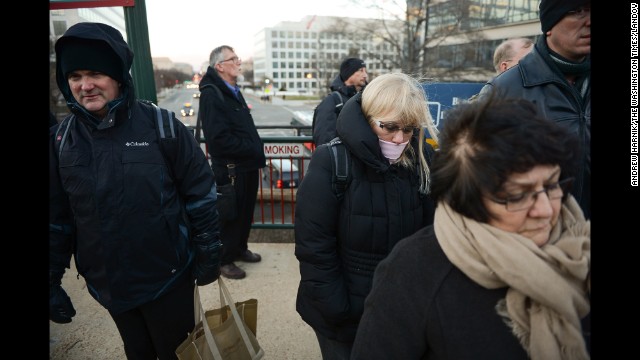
(351, 79)
(556, 75)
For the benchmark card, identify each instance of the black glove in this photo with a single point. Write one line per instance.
(207, 267)
(60, 307)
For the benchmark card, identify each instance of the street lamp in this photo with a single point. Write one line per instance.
(309, 76)
(267, 91)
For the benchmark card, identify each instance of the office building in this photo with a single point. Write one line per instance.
(305, 56)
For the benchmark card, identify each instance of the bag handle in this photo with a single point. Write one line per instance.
(237, 318)
(225, 298)
(200, 317)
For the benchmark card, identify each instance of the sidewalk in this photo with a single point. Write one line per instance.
(273, 281)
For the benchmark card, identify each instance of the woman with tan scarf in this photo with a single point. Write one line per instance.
(504, 272)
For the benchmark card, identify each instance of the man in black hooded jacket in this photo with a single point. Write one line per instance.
(120, 206)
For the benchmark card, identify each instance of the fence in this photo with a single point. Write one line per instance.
(287, 161)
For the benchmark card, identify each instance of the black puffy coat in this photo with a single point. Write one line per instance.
(113, 200)
(340, 243)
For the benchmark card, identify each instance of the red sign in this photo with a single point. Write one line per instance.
(66, 4)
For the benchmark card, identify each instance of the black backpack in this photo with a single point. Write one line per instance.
(338, 101)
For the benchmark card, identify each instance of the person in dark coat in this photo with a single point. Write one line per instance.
(340, 242)
(140, 226)
(556, 76)
(232, 139)
(351, 79)
(504, 272)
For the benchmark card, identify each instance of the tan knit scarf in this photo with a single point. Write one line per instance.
(548, 285)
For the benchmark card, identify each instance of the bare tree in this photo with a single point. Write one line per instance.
(404, 27)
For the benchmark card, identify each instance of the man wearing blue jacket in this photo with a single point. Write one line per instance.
(141, 224)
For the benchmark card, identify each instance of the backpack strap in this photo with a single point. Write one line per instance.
(168, 147)
(165, 125)
(340, 165)
(336, 95)
(166, 136)
(62, 132)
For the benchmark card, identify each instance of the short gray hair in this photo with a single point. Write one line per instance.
(216, 55)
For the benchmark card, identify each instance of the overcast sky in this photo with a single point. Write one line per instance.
(187, 30)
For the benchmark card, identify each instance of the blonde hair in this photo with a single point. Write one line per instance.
(401, 97)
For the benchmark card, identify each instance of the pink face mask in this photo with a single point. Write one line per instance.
(392, 151)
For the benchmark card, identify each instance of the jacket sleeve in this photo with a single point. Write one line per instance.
(317, 216)
(195, 182)
(324, 123)
(61, 228)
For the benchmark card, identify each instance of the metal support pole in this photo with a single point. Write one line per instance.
(135, 18)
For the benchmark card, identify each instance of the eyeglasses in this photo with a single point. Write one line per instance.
(580, 13)
(525, 200)
(392, 128)
(235, 60)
